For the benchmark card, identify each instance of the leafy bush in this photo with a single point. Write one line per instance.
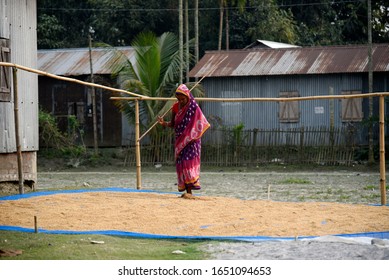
(62, 143)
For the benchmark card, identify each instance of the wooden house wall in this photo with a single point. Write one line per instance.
(63, 99)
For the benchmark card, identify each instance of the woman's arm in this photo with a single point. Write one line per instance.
(167, 124)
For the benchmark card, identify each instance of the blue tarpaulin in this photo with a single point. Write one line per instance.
(381, 235)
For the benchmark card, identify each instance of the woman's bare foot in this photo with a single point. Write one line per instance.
(187, 196)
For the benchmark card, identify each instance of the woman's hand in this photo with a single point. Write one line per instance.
(161, 121)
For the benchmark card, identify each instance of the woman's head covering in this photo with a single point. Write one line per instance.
(183, 89)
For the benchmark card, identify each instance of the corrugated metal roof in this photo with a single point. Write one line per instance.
(75, 62)
(288, 61)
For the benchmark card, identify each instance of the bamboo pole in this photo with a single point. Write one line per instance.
(195, 85)
(154, 124)
(35, 224)
(164, 114)
(137, 147)
(267, 99)
(94, 107)
(143, 97)
(39, 72)
(17, 131)
(382, 150)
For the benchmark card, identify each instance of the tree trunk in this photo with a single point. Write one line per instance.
(196, 19)
(181, 37)
(187, 40)
(227, 31)
(221, 24)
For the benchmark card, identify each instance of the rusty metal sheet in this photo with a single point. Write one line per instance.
(288, 61)
(75, 62)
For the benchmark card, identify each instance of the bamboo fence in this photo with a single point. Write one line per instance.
(137, 97)
(316, 145)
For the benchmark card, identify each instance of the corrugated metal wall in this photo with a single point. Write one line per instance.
(18, 24)
(264, 115)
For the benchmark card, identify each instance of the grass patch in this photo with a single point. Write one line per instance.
(344, 197)
(295, 181)
(370, 188)
(371, 196)
(79, 247)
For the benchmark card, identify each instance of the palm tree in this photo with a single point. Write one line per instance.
(155, 73)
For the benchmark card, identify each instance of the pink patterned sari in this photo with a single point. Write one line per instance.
(189, 125)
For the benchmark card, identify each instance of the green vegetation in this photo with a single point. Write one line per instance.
(304, 23)
(40, 246)
(62, 144)
(295, 181)
(371, 188)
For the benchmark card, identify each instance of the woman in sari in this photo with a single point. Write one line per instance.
(189, 125)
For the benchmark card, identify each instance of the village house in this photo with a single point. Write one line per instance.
(18, 43)
(64, 99)
(289, 71)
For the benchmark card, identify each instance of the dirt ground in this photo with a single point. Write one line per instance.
(287, 183)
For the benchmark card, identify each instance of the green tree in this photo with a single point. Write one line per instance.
(49, 32)
(318, 22)
(380, 14)
(70, 19)
(155, 73)
(266, 21)
(117, 22)
(224, 9)
(328, 22)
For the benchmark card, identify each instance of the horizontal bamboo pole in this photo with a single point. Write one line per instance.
(272, 99)
(39, 72)
(143, 97)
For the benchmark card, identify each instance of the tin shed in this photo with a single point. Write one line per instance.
(63, 99)
(292, 72)
(18, 42)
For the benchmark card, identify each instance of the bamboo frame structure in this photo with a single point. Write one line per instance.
(263, 99)
(17, 131)
(381, 96)
(139, 97)
(39, 72)
(137, 147)
(382, 150)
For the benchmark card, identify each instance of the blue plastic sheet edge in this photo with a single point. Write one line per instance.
(109, 189)
(380, 235)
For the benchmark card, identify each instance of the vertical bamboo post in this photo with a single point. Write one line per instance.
(35, 224)
(137, 147)
(382, 150)
(302, 156)
(94, 107)
(17, 131)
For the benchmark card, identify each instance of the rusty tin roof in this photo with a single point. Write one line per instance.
(291, 61)
(75, 62)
